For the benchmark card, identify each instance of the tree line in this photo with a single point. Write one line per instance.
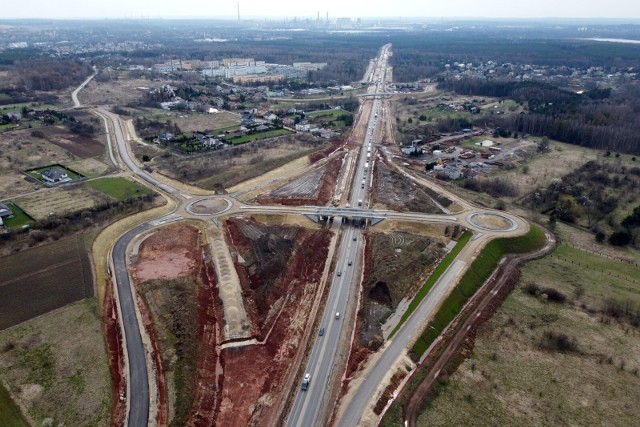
(600, 119)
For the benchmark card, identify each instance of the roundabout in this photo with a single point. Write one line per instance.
(209, 206)
(492, 221)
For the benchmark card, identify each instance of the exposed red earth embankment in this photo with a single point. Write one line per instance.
(279, 269)
(178, 307)
(319, 155)
(113, 337)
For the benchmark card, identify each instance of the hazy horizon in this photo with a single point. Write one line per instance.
(256, 9)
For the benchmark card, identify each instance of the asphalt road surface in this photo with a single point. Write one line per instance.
(124, 154)
(306, 407)
(138, 384)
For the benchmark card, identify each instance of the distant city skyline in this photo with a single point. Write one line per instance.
(227, 9)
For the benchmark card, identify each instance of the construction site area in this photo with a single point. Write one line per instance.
(202, 376)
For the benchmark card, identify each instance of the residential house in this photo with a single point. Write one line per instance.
(55, 176)
(209, 141)
(5, 213)
(328, 133)
(14, 116)
(166, 137)
(248, 119)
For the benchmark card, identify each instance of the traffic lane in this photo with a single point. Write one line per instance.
(307, 403)
(138, 376)
(325, 347)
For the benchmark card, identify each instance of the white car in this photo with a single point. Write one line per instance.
(337, 315)
(305, 382)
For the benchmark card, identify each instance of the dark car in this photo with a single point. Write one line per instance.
(321, 333)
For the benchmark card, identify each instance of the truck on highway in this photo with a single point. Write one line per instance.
(362, 184)
(366, 166)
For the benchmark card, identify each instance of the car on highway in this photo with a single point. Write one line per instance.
(305, 382)
(339, 273)
(337, 315)
(355, 238)
(350, 262)
(321, 333)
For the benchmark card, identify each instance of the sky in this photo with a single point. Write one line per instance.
(62, 9)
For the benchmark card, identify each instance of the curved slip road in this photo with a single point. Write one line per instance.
(138, 383)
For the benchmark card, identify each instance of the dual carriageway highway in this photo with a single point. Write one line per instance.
(307, 404)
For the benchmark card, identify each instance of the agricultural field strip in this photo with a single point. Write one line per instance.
(40, 271)
(24, 263)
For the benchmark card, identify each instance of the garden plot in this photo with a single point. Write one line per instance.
(60, 201)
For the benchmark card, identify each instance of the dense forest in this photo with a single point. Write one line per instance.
(27, 79)
(601, 118)
(45, 74)
(418, 56)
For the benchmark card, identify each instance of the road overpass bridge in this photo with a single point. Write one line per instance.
(358, 216)
(375, 95)
(355, 214)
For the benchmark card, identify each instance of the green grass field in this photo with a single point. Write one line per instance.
(478, 272)
(334, 114)
(19, 219)
(10, 415)
(573, 271)
(58, 368)
(439, 270)
(119, 188)
(434, 114)
(256, 136)
(511, 378)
